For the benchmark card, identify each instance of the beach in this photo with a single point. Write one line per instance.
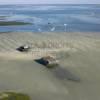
(78, 52)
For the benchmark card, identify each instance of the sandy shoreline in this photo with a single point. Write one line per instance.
(78, 52)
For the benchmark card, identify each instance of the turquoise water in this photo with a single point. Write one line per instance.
(52, 18)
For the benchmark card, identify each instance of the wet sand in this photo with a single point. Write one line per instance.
(78, 53)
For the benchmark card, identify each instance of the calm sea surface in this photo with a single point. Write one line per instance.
(52, 18)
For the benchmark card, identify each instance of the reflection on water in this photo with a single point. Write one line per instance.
(63, 74)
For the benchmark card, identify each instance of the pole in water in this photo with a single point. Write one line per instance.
(65, 26)
(39, 30)
(52, 29)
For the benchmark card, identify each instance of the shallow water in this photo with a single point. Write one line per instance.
(24, 75)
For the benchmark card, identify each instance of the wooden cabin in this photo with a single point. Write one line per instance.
(48, 61)
(23, 48)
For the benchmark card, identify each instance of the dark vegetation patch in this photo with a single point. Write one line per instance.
(10, 23)
(13, 96)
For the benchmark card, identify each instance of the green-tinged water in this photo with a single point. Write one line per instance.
(81, 58)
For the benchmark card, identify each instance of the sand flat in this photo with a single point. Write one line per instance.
(78, 53)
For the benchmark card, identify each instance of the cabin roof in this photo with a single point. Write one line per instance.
(49, 58)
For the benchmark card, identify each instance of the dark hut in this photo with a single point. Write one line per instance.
(23, 48)
(48, 61)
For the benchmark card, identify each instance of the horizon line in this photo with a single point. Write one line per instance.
(49, 3)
